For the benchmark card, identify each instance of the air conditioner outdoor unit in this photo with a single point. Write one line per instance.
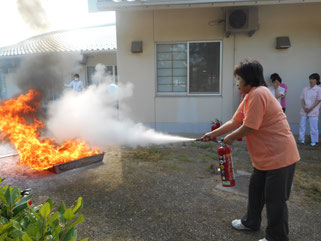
(241, 20)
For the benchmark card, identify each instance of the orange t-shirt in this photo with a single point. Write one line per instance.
(271, 144)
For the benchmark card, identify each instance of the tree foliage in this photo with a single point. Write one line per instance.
(20, 221)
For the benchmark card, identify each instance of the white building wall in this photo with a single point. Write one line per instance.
(106, 58)
(301, 22)
(137, 68)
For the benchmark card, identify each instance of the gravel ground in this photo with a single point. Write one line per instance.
(129, 198)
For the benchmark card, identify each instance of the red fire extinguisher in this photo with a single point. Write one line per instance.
(226, 165)
(215, 124)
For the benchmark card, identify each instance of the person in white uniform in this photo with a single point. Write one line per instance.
(310, 99)
(276, 89)
(75, 84)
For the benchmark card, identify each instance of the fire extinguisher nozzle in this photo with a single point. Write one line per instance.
(204, 140)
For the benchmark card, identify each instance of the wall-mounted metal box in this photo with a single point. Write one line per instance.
(283, 42)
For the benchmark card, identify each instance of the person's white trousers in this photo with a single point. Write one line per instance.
(314, 131)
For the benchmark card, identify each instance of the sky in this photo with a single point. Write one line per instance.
(58, 15)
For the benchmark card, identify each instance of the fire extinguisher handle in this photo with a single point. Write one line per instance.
(221, 142)
(25, 192)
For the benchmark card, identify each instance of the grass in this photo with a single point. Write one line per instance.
(182, 157)
(307, 180)
(146, 155)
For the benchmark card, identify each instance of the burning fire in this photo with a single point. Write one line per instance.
(20, 125)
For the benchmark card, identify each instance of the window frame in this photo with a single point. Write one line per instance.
(3, 85)
(114, 75)
(187, 93)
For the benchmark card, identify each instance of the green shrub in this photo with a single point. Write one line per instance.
(20, 221)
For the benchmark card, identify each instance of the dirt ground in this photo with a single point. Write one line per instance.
(169, 193)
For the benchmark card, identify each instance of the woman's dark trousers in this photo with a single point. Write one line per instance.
(271, 188)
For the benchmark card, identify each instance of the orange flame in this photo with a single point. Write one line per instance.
(20, 125)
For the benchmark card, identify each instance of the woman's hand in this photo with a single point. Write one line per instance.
(228, 139)
(207, 136)
(276, 84)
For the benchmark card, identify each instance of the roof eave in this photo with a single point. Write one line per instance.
(103, 6)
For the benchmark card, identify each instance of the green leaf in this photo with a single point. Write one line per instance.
(62, 208)
(55, 223)
(19, 209)
(26, 237)
(2, 198)
(69, 235)
(14, 195)
(52, 204)
(69, 214)
(34, 212)
(17, 235)
(33, 230)
(79, 220)
(7, 226)
(11, 195)
(3, 236)
(45, 210)
(52, 218)
(23, 200)
(16, 225)
(85, 239)
(75, 235)
(57, 231)
(78, 205)
(7, 196)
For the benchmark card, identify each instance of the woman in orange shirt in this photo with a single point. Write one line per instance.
(272, 148)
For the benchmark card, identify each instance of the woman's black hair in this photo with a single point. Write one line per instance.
(278, 78)
(251, 71)
(274, 75)
(315, 76)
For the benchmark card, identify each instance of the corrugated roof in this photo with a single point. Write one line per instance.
(98, 38)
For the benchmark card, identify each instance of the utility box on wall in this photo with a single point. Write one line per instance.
(137, 47)
(283, 42)
(241, 20)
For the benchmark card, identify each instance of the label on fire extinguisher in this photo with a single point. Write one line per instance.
(226, 167)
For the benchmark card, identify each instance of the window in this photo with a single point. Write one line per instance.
(172, 67)
(192, 67)
(3, 89)
(90, 74)
(109, 70)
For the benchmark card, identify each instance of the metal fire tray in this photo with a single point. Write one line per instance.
(63, 167)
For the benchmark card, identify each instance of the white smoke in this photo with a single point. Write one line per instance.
(6, 149)
(93, 116)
